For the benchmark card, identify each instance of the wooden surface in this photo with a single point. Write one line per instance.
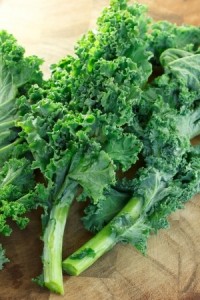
(171, 269)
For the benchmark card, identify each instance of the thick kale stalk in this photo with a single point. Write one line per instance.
(103, 241)
(52, 253)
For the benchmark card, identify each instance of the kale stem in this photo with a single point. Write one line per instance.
(102, 242)
(53, 240)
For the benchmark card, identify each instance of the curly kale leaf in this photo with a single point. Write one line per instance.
(185, 185)
(94, 174)
(165, 142)
(109, 72)
(14, 211)
(184, 67)
(16, 178)
(17, 73)
(165, 35)
(124, 149)
(179, 85)
(19, 193)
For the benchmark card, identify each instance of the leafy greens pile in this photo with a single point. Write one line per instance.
(18, 186)
(91, 121)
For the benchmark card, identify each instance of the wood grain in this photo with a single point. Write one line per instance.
(171, 269)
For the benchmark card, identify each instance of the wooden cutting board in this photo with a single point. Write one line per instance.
(171, 268)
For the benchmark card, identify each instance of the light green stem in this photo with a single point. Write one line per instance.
(53, 240)
(100, 243)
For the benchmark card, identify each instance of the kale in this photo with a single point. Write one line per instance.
(171, 172)
(80, 120)
(89, 123)
(17, 74)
